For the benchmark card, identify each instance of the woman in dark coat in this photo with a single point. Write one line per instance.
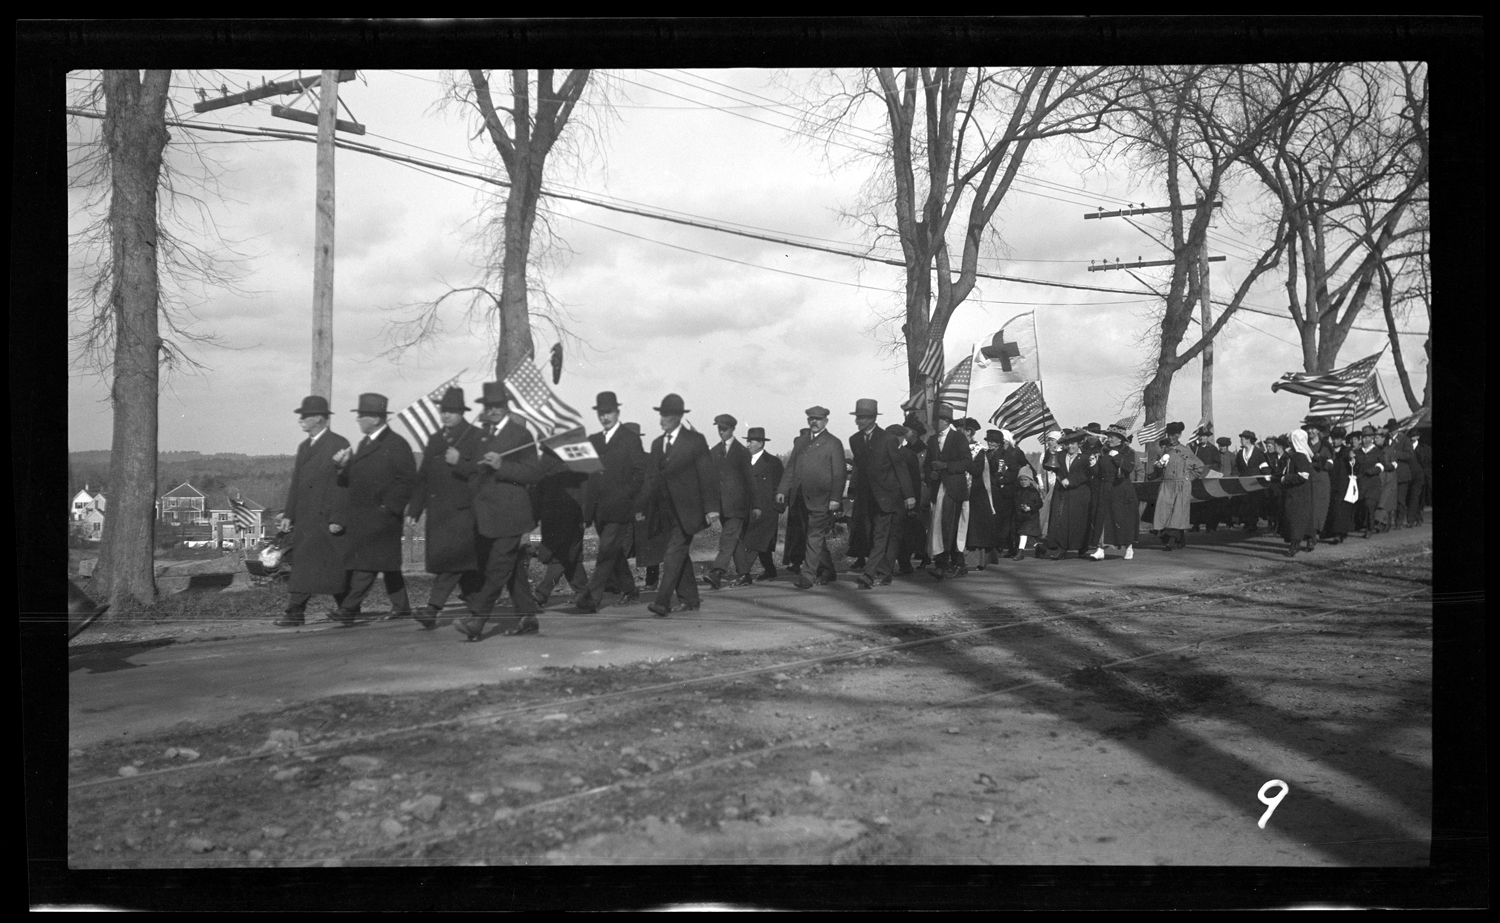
(1006, 464)
(1119, 510)
(1093, 448)
(1068, 527)
(981, 538)
(1340, 520)
(1028, 513)
(1368, 465)
(1322, 465)
(1296, 496)
(1276, 449)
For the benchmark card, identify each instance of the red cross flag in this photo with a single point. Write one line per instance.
(1007, 357)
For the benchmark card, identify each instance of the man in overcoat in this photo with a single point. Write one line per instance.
(765, 476)
(817, 469)
(317, 547)
(736, 493)
(1176, 467)
(913, 539)
(503, 514)
(560, 506)
(882, 486)
(681, 498)
(445, 493)
(1421, 464)
(380, 475)
(609, 503)
(948, 461)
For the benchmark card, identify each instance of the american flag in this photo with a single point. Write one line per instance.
(1125, 423)
(421, 418)
(955, 391)
(1365, 402)
(534, 402)
(1024, 413)
(1331, 388)
(244, 517)
(1151, 432)
(932, 360)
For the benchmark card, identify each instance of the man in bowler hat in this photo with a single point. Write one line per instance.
(317, 545)
(736, 493)
(816, 468)
(609, 503)
(445, 493)
(680, 498)
(379, 475)
(765, 476)
(882, 487)
(508, 466)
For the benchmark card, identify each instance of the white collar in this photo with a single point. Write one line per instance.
(313, 439)
(756, 457)
(376, 434)
(611, 431)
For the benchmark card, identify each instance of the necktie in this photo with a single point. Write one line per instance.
(668, 446)
(363, 443)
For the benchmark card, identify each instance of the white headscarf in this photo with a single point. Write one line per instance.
(1299, 444)
(1009, 439)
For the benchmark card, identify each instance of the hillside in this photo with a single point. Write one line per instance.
(261, 478)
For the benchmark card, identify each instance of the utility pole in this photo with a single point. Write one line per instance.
(327, 84)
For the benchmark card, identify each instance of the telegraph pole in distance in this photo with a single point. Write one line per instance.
(322, 332)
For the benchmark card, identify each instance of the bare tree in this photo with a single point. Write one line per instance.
(1345, 169)
(1193, 126)
(524, 132)
(137, 276)
(954, 140)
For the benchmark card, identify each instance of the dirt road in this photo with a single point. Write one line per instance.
(1035, 713)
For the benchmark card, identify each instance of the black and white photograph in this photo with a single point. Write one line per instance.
(761, 448)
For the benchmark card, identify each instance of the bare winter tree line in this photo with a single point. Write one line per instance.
(1332, 160)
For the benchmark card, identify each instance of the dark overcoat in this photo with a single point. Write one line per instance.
(1341, 514)
(817, 468)
(765, 477)
(1119, 510)
(380, 477)
(446, 494)
(952, 449)
(561, 490)
(982, 533)
(612, 492)
(1297, 524)
(1321, 483)
(732, 463)
(1069, 521)
(1005, 466)
(317, 555)
(502, 501)
(681, 486)
(1029, 511)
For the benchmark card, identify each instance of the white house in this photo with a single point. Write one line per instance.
(81, 501)
(183, 504)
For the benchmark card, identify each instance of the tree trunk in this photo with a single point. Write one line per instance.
(515, 308)
(136, 134)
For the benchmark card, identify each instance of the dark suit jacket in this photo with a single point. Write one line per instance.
(502, 500)
(735, 487)
(816, 467)
(1257, 465)
(953, 450)
(446, 494)
(380, 478)
(765, 477)
(311, 503)
(612, 493)
(681, 486)
(880, 473)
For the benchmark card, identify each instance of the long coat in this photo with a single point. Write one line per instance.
(732, 463)
(317, 555)
(502, 501)
(380, 477)
(952, 449)
(1119, 510)
(681, 486)
(881, 473)
(1175, 499)
(816, 467)
(1322, 484)
(1069, 517)
(1005, 466)
(1340, 519)
(1029, 511)
(765, 477)
(446, 494)
(1297, 522)
(611, 493)
(982, 531)
(913, 528)
(561, 492)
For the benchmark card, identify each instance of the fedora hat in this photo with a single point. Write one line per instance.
(1392, 423)
(671, 406)
(1338, 432)
(371, 405)
(758, 433)
(453, 401)
(494, 393)
(314, 406)
(633, 427)
(725, 419)
(970, 424)
(816, 411)
(866, 407)
(606, 402)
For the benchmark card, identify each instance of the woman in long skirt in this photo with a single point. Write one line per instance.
(1341, 478)
(1068, 529)
(1119, 510)
(1322, 464)
(981, 539)
(1296, 496)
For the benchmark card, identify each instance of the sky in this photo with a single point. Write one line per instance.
(752, 328)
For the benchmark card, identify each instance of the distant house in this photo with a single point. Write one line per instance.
(92, 518)
(81, 500)
(228, 528)
(183, 505)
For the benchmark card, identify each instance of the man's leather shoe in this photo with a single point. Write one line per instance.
(658, 610)
(802, 583)
(905, 570)
(628, 599)
(769, 575)
(690, 607)
(882, 581)
(741, 580)
(586, 604)
(527, 626)
(470, 628)
(714, 578)
(427, 617)
(287, 621)
(863, 582)
(342, 617)
(825, 579)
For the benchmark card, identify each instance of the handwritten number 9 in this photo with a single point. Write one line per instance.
(1272, 801)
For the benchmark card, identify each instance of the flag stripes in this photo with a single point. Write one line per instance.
(544, 413)
(421, 418)
(1024, 413)
(1204, 488)
(955, 391)
(932, 359)
(1331, 387)
(1362, 404)
(1151, 432)
(244, 517)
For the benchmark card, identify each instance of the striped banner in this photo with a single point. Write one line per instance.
(534, 402)
(421, 418)
(1151, 432)
(244, 517)
(1024, 413)
(1204, 488)
(955, 392)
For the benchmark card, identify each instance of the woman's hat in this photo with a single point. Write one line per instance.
(1176, 428)
(1248, 434)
